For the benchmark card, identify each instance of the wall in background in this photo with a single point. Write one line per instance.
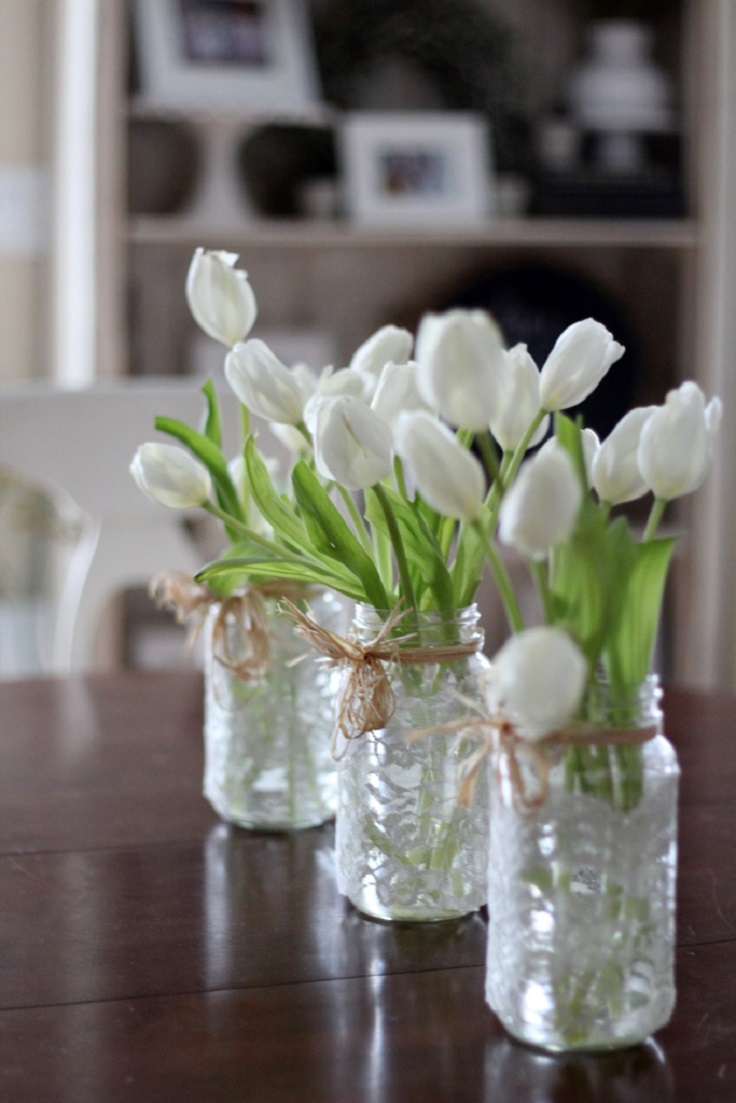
(25, 145)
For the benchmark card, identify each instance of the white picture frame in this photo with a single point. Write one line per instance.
(253, 56)
(416, 168)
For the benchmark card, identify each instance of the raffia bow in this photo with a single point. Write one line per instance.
(525, 760)
(367, 700)
(191, 602)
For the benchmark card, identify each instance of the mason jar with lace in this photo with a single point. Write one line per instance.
(269, 711)
(406, 848)
(582, 867)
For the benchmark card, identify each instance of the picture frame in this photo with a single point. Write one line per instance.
(416, 168)
(237, 56)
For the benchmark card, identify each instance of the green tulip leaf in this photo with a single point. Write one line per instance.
(270, 502)
(236, 569)
(330, 533)
(630, 645)
(213, 422)
(421, 547)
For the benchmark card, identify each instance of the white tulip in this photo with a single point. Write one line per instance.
(519, 401)
(390, 343)
(591, 446)
(396, 391)
(539, 677)
(292, 439)
(171, 477)
(352, 444)
(615, 472)
(333, 384)
(460, 365)
(448, 476)
(266, 386)
(219, 296)
(677, 443)
(542, 504)
(580, 358)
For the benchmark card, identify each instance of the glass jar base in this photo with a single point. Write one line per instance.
(269, 819)
(372, 909)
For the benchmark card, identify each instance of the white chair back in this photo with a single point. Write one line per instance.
(84, 440)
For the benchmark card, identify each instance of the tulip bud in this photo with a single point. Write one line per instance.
(171, 477)
(591, 445)
(262, 383)
(448, 476)
(616, 475)
(539, 677)
(541, 506)
(460, 365)
(219, 296)
(580, 358)
(677, 443)
(390, 343)
(396, 391)
(352, 445)
(332, 385)
(519, 401)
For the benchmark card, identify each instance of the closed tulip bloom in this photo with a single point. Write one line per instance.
(460, 364)
(591, 445)
(396, 392)
(519, 401)
(219, 296)
(616, 474)
(171, 477)
(333, 385)
(352, 444)
(266, 386)
(539, 677)
(390, 343)
(580, 358)
(542, 504)
(677, 443)
(448, 476)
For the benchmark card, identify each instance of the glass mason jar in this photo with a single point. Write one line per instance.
(582, 884)
(406, 849)
(268, 758)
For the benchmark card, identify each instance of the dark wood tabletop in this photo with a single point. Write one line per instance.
(149, 952)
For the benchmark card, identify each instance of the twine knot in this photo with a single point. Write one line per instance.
(191, 602)
(367, 701)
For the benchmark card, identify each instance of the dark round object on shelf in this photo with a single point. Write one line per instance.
(163, 161)
(534, 303)
(276, 160)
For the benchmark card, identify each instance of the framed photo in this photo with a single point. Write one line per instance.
(416, 167)
(228, 55)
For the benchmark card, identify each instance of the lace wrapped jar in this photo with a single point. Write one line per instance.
(406, 849)
(268, 760)
(582, 867)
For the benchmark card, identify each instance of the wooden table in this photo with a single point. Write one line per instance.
(149, 952)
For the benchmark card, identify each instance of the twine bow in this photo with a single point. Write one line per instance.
(525, 760)
(191, 601)
(367, 701)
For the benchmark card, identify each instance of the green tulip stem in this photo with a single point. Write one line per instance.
(399, 478)
(500, 574)
(538, 571)
(355, 517)
(407, 588)
(490, 457)
(658, 507)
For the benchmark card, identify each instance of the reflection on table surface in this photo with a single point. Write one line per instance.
(150, 952)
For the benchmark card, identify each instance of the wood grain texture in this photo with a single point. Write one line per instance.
(149, 952)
